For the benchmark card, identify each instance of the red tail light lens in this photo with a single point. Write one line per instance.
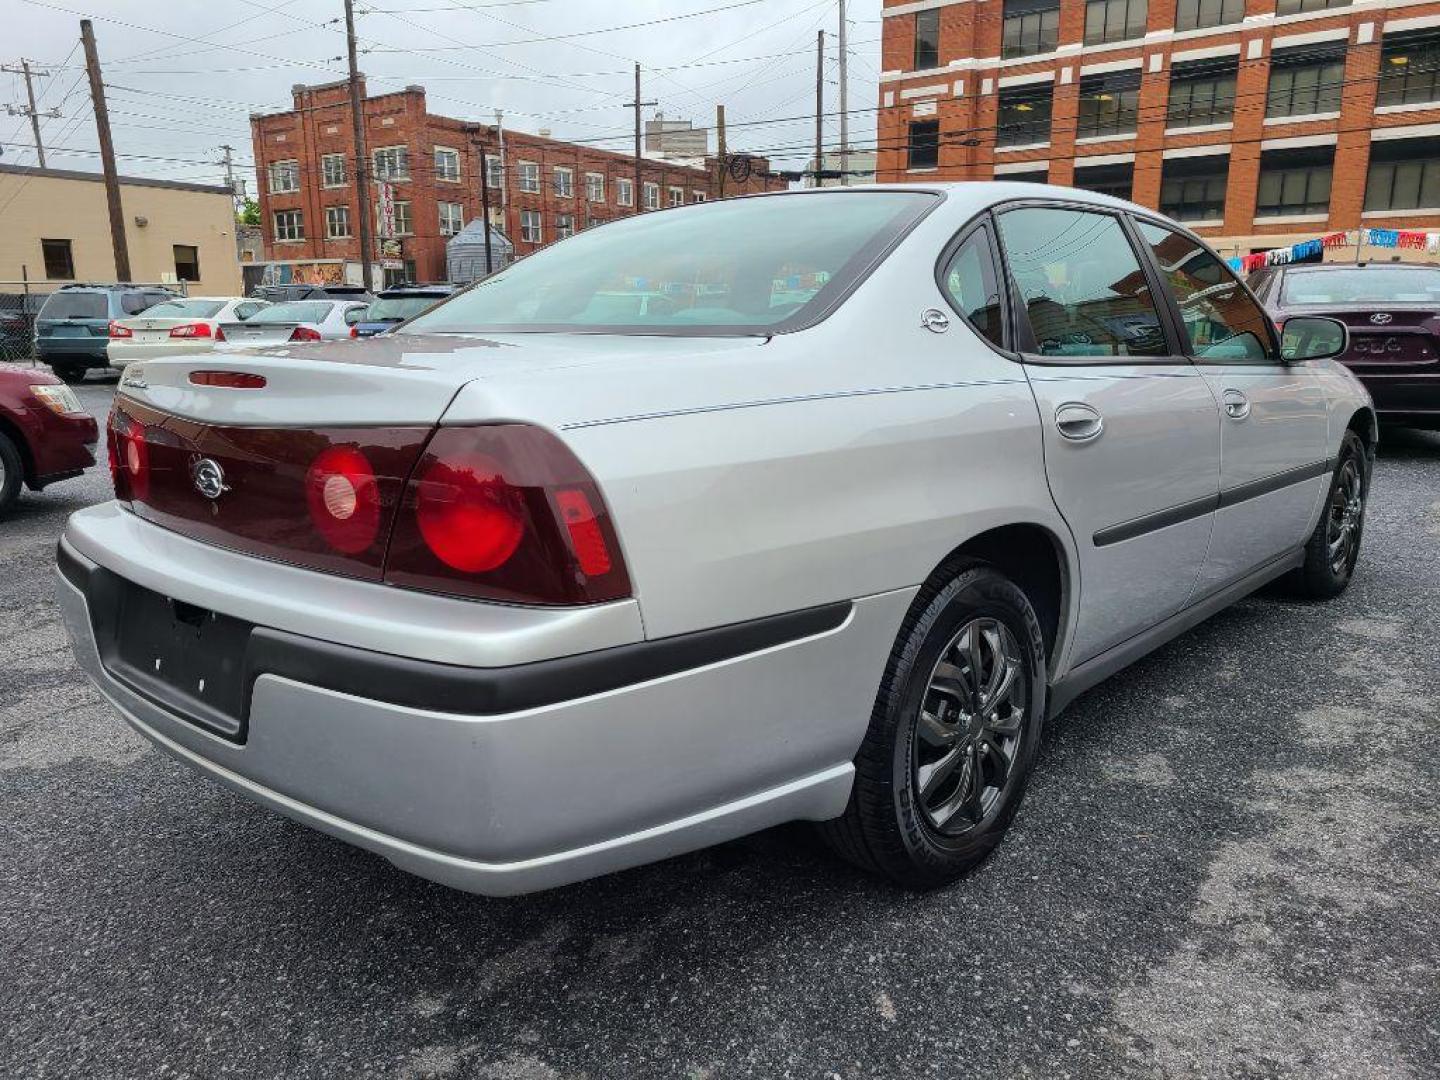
(354, 331)
(344, 499)
(304, 333)
(192, 330)
(118, 331)
(129, 457)
(505, 512)
(219, 333)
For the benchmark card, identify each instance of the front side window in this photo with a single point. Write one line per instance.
(1114, 20)
(1081, 284)
(187, 262)
(729, 267)
(452, 218)
(1410, 68)
(1199, 14)
(447, 164)
(289, 225)
(527, 177)
(59, 263)
(1030, 27)
(927, 39)
(1202, 92)
(1305, 80)
(973, 287)
(595, 187)
(1193, 189)
(564, 183)
(392, 163)
(923, 149)
(1024, 115)
(1404, 175)
(1109, 104)
(337, 222)
(332, 170)
(530, 228)
(1222, 321)
(1294, 181)
(284, 177)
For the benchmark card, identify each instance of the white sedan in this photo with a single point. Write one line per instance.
(187, 324)
(299, 320)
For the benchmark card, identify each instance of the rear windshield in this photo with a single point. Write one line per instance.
(185, 309)
(76, 305)
(399, 308)
(306, 311)
(742, 266)
(1364, 284)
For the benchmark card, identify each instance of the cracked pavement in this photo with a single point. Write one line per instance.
(1227, 865)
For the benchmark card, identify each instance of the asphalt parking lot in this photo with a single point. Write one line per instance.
(1228, 865)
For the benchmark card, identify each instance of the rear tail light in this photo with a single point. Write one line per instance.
(505, 512)
(304, 333)
(119, 331)
(129, 457)
(344, 499)
(193, 330)
(219, 333)
(354, 331)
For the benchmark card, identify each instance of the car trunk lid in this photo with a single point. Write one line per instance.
(1396, 336)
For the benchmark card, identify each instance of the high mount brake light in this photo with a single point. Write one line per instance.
(235, 380)
(505, 512)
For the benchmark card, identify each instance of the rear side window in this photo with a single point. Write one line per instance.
(970, 282)
(1080, 283)
(133, 303)
(75, 305)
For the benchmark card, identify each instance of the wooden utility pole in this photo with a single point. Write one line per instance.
(362, 157)
(844, 104)
(107, 153)
(637, 105)
(720, 146)
(819, 100)
(31, 111)
(485, 207)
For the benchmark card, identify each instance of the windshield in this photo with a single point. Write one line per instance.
(306, 311)
(1364, 284)
(399, 308)
(76, 305)
(743, 266)
(184, 309)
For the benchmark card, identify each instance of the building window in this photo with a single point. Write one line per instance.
(392, 163)
(927, 39)
(337, 222)
(1113, 180)
(494, 178)
(289, 225)
(697, 196)
(651, 193)
(564, 226)
(447, 164)
(1024, 115)
(404, 226)
(332, 170)
(677, 196)
(1199, 14)
(1404, 175)
(564, 182)
(1031, 26)
(624, 192)
(284, 177)
(923, 145)
(1031, 176)
(1202, 92)
(452, 218)
(1294, 7)
(1193, 189)
(1114, 20)
(1410, 68)
(187, 261)
(59, 263)
(1109, 104)
(530, 229)
(527, 177)
(1305, 80)
(1294, 181)
(595, 187)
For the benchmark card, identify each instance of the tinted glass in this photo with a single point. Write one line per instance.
(970, 283)
(1081, 284)
(743, 266)
(76, 305)
(1221, 320)
(185, 309)
(132, 303)
(306, 311)
(399, 308)
(1370, 284)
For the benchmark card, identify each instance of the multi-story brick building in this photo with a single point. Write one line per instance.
(1256, 122)
(545, 190)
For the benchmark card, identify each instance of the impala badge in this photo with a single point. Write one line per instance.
(1380, 318)
(209, 478)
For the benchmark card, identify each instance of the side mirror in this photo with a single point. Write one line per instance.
(1312, 337)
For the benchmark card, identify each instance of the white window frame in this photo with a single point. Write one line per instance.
(563, 182)
(698, 196)
(624, 192)
(295, 226)
(450, 153)
(677, 195)
(404, 224)
(333, 213)
(494, 177)
(567, 229)
(452, 217)
(397, 162)
(289, 171)
(529, 234)
(326, 178)
(527, 177)
(650, 192)
(595, 187)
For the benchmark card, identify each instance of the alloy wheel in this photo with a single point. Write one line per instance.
(1347, 507)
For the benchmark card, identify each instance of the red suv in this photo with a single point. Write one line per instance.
(45, 434)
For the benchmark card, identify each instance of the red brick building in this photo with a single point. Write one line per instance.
(1257, 122)
(305, 160)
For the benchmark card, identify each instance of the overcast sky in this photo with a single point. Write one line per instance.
(184, 75)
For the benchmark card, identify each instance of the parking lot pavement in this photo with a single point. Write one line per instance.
(1228, 864)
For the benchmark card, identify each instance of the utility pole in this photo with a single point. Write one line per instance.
(720, 146)
(362, 157)
(637, 105)
(237, 192)
(107, 153)
(485, 207)
(504, 173)
(31, 111)
(844, 104)
(819, 100)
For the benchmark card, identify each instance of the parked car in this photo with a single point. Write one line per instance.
(394, 306)
(1393, 311)
(298, 320)
(280, 294)
(73, 327)
(188, 324)
(45, 433)
(514, 597)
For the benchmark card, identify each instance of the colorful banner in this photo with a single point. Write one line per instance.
(1310, 250)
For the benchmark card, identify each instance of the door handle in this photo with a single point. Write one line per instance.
(1078, 422)
(1237, 405)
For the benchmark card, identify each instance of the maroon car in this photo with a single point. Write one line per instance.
(1393, 311)
(45, 434)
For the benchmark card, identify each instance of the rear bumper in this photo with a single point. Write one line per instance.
(532, 795)
(89, 351)
(120, 352)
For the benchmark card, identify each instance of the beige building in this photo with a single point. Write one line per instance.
(55, 229)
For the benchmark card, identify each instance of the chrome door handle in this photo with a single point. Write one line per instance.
(1237, 405)
(1078, 422)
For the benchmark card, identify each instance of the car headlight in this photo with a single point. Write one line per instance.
(60, 400)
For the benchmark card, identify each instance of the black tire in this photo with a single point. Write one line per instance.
(12, 473)
(1326, 572)
(69, 373)
(890, 825)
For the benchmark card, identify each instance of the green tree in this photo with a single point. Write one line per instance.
(249, 213)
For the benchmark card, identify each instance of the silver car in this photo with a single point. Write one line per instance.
(186, 324)
(295, 321)
(542, 586)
